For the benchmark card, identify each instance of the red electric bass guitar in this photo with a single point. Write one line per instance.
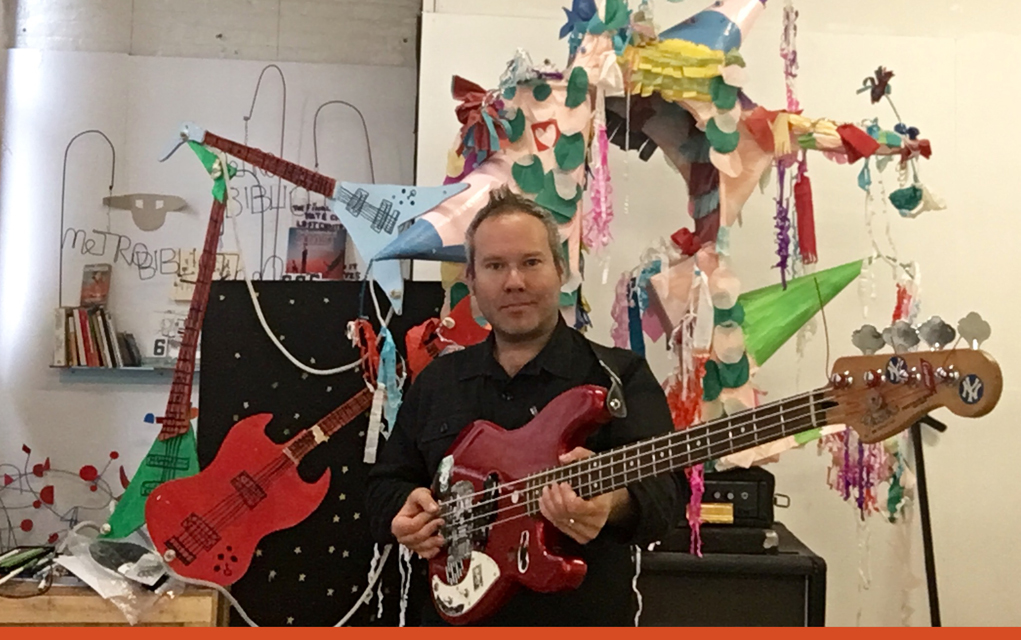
(489, 484)
(208, 525)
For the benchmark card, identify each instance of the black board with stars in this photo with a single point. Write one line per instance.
(312, 573)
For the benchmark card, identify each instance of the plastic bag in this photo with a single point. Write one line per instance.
(127, 572)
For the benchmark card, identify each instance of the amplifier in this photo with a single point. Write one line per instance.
(735, 590)
(740, 497)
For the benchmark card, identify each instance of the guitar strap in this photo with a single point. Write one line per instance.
(615, 402)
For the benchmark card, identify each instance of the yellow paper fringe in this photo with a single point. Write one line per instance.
(676, 69)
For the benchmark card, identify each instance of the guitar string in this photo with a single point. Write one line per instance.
(706, 448)
(626, 472)
(670, 434)
(531, 502)
(477, 529)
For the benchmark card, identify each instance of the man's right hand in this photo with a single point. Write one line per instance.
(417, 524)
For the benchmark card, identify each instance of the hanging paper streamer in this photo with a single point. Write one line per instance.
(596, 233)
(806, 215)
(388, 378)
(782, 223)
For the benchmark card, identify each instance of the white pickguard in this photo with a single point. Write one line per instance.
(456, 600)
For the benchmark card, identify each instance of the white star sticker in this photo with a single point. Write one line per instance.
(290, 620)
(272, 574)
(336, 518)
(297, 550)
(357, 515)
(354, 589)
(301, 577)
(345, 554)
(343, 496)
(329, 592)
(343, 469)
(258, 553)
(332, 548)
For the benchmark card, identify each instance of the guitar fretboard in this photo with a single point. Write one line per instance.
(332, 423)
(177, 417)
(617, 468)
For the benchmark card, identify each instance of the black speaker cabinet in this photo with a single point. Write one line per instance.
(786, 589)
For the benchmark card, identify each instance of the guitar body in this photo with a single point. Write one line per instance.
(478, 571)
(167, 460)
(213, 521)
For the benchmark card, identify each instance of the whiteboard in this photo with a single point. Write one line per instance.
(138, 102)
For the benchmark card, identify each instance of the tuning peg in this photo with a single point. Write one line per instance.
(974, 329)
(936, 333)
(867, 339)
(901, 336)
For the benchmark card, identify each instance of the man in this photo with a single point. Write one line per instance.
(515, 271)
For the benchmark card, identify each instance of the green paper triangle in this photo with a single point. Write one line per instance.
(570, 151)
(530, 177)
(179, 453)
(773, 315)
(208, 160)
(577, 87)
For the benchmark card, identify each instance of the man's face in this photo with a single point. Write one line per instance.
(516, 283)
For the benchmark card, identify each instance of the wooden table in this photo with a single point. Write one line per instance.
(66, 605)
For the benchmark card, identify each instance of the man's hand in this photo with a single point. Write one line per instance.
(581, 519)
(417, 524)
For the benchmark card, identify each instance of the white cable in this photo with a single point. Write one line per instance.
(258, 308)
(634, 582)
(365, 597)
(367, 594)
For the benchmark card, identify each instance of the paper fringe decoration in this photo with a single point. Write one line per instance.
(596, 233)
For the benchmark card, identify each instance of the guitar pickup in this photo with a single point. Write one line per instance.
(249, 490)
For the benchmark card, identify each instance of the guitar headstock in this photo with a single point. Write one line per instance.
(881, 395)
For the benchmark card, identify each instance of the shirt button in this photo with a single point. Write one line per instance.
(443, 428)
(508, 397)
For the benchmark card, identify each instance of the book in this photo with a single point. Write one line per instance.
(132, 345)
(72, 340)
(95, 284)
(79, 339)
(111, 336)
(85, 332)
(60, 337)
(317, 251)
(104, 341)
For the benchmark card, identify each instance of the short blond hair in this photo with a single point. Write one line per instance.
(503, 201)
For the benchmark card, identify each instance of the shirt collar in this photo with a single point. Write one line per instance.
(555, 357)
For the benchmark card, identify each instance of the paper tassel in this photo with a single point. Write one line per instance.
(806, 219)
(781, 135)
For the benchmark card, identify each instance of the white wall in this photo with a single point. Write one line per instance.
(81, 78)
(955, 81)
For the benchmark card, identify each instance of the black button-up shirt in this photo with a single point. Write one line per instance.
(470, 385)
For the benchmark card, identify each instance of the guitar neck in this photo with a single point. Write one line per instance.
(177, 417)
(329, 425)
(620, 467)
(293, 173)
